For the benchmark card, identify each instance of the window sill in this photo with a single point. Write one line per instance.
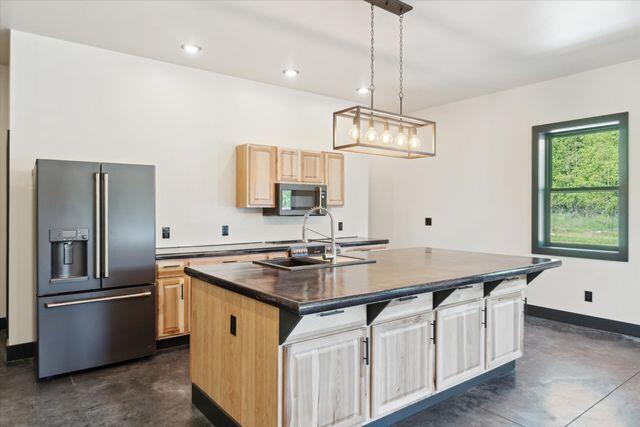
(604, 255)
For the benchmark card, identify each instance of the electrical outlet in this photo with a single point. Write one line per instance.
(339, 225)
(166, 232)
(427, 222)
(588, 296)
(225, 230)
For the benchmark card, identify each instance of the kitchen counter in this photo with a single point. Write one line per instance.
(253, 247)
(396, 273)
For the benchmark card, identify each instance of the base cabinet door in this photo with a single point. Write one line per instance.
(505, 329)
(460, 345)
(325, 380)
(402, 363)
(171, 307)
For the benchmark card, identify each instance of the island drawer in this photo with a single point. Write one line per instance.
(464, 293)
(507, 286)
(170, 267)
(319, 324)
(406, 306)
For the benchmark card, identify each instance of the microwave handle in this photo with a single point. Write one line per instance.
(319, 198)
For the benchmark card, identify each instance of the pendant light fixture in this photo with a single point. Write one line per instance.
(367, 130)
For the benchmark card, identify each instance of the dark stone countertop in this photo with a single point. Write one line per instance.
(396, 273)
(253, 248)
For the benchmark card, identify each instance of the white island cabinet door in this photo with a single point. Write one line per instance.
(460, 343)
(402, 363)
(505, 327)
(325, 380)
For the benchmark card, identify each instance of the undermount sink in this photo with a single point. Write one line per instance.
(311, 262)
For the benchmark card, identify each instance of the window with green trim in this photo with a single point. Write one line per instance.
(580, 188)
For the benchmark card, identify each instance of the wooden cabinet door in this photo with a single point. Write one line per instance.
(262, 170)
(325, 380)
(312, 167)
(171, 307)
(505, 329)
(402, 363)
(288, 166)
(460, 345)
(334, 175)
(186, 305)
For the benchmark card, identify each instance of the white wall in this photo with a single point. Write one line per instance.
(70, 101)
(4, 125)
(478, 188)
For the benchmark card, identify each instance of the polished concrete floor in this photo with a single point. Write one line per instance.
(568, 376)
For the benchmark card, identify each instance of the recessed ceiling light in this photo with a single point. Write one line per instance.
(290, 72)
(362, 90)
(191, 48)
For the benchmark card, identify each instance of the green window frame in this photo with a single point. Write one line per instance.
(542, 188)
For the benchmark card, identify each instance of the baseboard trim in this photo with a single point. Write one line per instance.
(584, 320)
(210, 409)
(20, 351)
(3, 323)
(441, 396)
(172, 342)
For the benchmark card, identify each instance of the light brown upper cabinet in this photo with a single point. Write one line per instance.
(334, 175)
(288, 165)
(255, 176)
(312, 167)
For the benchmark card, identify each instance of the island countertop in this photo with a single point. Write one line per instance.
(396, 273)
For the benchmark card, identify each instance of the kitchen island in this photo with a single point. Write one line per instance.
(353, 345)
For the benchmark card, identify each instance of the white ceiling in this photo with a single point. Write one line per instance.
(453, 49)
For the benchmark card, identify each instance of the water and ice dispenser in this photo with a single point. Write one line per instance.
(68, 254)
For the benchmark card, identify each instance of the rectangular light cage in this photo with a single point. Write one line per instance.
(365, 130)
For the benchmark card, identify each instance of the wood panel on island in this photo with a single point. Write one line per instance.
(344, 367)
(259, 167)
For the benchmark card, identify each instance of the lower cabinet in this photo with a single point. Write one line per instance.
(505, 328)
(460, 343)
(402, 363)
(173, 306)
(325, 382)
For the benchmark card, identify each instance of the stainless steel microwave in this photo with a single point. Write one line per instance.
(296, 199)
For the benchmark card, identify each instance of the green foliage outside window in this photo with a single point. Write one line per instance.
(585, 162)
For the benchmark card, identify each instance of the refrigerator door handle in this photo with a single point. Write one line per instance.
(87, 301)
(105, 219)
(98, 235)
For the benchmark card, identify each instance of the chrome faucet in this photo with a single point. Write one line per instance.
(334, 254)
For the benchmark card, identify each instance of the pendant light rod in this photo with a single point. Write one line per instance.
(394, 6)
(372, 86)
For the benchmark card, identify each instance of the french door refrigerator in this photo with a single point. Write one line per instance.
(96, 298)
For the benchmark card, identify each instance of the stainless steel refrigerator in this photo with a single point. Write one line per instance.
(96, 298)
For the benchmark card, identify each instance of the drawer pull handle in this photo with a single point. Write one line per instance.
(171, 266)
(366, 350)
(331, 313)
(466, 287)
(410, 297)
(229, 260)
(87, 301)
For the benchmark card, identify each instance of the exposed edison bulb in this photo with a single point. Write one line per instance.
(414, 141)
(401, 139)
(372, 133)
(386, 136)
(354, 132)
